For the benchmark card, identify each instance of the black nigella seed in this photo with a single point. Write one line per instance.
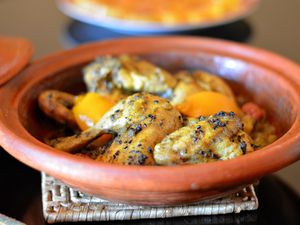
(202, 152)
(141, 159)
(149, 149)
(138, 128)
(221, 113)
(217, 123)
(243, 146)
(214, 156)
(116, 154)
(152, 116)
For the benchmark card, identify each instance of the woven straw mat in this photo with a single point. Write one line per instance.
(64, 204)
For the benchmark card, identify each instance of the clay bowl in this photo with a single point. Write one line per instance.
(268, 79)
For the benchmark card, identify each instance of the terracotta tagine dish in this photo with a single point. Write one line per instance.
(269, 80)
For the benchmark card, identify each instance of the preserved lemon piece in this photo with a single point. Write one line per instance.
(89, 108)
(207, 103)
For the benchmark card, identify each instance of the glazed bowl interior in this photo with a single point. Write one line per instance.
(245, 79)
(269, 80)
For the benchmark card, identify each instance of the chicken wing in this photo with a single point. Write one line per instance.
(210, 82)
(186, 85)
(57, 104)
(127, 73)
(190, 83)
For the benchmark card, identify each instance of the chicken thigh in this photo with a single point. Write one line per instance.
(218, 137)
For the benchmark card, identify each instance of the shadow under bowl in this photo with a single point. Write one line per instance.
(268, 79)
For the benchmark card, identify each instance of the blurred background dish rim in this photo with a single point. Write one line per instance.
(136, 27)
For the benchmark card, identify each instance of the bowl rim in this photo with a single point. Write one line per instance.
(26, 148)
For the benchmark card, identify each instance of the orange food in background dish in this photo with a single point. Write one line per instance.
(168, 12)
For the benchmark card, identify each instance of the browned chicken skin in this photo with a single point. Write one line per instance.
(128, 74)
(218, 137)
(139, 122)
(210, 82)
(142, 123)
(190, 83)
(186, 86)
(147, 129)
(57, 104)
(123, 75)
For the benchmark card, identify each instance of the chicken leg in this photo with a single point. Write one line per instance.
(138, 122)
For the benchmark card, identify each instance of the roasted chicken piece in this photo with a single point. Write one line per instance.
(127, 73)
(186, 85)
(190, 83)
(210, 82)
(138, 122)
(218, 137)
(123, 75)
(57, 104)
(261, 131)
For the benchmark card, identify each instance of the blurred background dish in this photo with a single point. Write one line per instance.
(145, 17)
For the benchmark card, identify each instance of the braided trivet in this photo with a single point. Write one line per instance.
(64, 204)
